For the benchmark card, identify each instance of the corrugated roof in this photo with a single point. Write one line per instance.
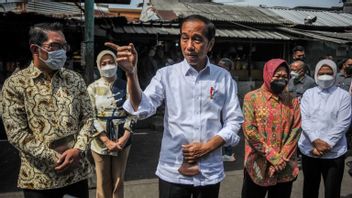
(339, 35)
(219, 12)
(324, 18)
(58, 9)
(250, 34)
(55, 9)
(225, 33)
(335, 37)
(48, 8)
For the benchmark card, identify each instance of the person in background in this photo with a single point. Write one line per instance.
(272, 126)
(202, 112)
(48, 118)
(299, 54)
(113, 126)
(326, 116)
(344, 77)
(299, 81)
(228, 154)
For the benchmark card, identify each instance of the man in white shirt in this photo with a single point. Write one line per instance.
(326, 116)
(198, 96)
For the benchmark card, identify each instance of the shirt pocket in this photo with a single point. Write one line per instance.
(213, 98)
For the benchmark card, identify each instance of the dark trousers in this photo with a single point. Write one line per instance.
(79, 189)
(330, 169)
(171, 190)
(253, 190)
(227, 150)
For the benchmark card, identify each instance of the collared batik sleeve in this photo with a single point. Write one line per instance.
(98, 127)
(17, 128)
(290, 142)
(86, 122)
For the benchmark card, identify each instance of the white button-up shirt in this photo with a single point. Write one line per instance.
(326, 114)
(195, 105)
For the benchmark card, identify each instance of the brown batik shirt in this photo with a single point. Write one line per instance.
(43, 115)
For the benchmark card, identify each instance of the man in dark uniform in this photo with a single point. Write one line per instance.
(299, 81)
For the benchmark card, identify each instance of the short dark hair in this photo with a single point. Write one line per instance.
(342, 62)
(209, 26)
(298, 48)
(38, 33)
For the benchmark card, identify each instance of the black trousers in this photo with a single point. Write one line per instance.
(253, 190)
(171, 190)
(79, 189)
(330, 169)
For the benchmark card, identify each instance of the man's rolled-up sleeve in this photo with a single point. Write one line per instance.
(152, 98)
(232, 115)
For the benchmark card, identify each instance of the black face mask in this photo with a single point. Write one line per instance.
(348, 70)
(277, 86)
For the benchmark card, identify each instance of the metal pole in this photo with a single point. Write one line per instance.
(89, 40)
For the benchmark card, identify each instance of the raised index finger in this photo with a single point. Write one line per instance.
(111, 45)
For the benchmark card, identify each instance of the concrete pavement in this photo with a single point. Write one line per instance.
(230, 187)
(140, 179)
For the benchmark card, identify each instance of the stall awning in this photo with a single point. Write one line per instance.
(334, 37)
(222, 33)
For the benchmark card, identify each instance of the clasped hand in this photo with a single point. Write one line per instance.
(278, 167)
(69, 158)
(320, 148)
(113, 146)
(193, 152)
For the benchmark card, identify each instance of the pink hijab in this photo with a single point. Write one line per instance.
(270, 68)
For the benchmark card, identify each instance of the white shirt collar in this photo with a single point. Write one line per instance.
(187, 69)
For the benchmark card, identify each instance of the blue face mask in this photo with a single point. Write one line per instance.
(56, 59)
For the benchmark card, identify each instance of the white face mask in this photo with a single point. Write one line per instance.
(56, 59)
(294, 74)
(325, 81)
(108, 70)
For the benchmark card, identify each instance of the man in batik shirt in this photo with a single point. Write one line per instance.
(48, 118)
(271, 129)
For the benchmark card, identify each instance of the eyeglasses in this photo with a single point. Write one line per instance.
(56, 46)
